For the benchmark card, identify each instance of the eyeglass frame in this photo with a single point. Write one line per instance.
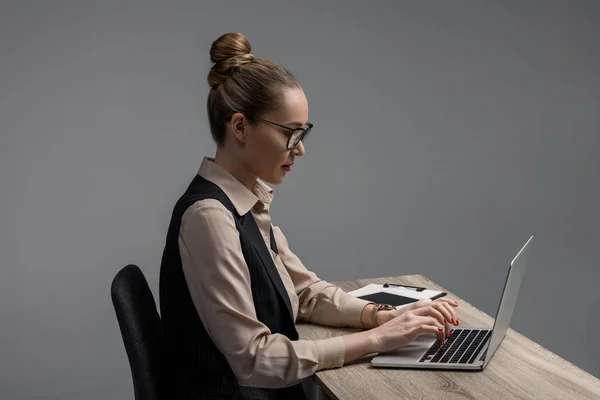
(290, 131)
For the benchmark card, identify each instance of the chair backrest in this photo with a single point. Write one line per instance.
(140, 328)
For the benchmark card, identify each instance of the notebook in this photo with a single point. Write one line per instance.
(397, 296)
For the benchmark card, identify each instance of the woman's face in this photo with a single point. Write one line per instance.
(265, 152)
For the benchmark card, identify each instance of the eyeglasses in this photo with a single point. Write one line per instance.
(295, 135)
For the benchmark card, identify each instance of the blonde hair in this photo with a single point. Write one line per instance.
(242, 83)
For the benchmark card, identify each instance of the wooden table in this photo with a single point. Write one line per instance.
(520, 369)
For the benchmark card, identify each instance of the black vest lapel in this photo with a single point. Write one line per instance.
(261, 248)
(273, 243)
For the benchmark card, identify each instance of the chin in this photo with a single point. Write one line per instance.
(274, 180)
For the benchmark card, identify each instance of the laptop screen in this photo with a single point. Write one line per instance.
(508, 300)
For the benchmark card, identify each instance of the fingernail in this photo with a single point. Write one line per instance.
(449, 333)
(456, 322)
(441, 329)
(445, 321)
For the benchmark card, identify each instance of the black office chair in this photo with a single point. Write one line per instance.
(140, 328)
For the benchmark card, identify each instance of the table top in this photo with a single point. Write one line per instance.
(520, 368)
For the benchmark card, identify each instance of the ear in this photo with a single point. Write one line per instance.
(239, 127)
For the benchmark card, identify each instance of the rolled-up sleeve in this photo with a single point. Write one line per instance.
(320, 302)
(219, 283)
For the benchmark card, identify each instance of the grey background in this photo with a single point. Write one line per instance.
(444, 135)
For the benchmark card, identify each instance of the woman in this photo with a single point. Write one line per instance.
(230, 287)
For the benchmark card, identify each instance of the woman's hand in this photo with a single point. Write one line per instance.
(399, 327)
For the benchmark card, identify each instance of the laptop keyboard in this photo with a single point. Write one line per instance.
(461, 348)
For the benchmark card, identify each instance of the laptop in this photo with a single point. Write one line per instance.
(468, 348)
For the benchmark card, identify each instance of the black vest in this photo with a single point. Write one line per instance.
(193, 367)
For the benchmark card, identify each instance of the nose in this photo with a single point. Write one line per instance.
(299, 150)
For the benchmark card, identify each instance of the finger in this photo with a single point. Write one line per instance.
(427, 320)
(421, 303)
(453, 315)
(423, 329)
(448, 318)
(449, 329)
(444, 306)
(448, 301)
(430, 326)
(417, 320)
(447, 311)
(441, 336)
(433, 312)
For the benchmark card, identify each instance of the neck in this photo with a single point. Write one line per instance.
(235, 167)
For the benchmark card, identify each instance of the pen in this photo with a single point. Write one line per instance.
(415, 288)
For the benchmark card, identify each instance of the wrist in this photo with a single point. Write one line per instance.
(374, 315)
(365, 317)
(375, 340)
(383, 316)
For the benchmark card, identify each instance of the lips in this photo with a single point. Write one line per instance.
(287, 167)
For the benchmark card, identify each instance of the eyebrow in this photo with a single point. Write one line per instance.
(298, 124)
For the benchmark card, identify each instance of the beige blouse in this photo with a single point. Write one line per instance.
(219, 283)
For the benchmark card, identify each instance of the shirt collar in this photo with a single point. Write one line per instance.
(242, 198)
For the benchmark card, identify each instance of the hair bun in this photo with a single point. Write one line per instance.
(229, 45)
(230, 51)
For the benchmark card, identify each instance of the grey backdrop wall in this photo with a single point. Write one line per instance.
(444, 135)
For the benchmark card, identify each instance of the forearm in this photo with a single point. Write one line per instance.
(326, 304)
